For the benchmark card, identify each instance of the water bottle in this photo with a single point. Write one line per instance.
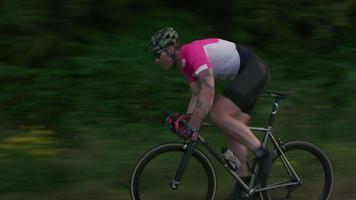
(231, 159)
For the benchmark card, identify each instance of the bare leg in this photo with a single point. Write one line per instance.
(240, 150)
(228, 117)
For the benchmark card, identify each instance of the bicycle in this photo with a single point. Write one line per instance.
(300, 169)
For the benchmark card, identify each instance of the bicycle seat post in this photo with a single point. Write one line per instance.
(278, 96)
(274, 112)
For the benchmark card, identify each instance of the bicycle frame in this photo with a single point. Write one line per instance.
(191, 144)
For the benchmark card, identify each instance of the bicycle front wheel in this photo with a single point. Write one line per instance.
(152, 176)
(313, 170)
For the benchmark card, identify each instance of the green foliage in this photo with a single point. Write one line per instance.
(82, 69)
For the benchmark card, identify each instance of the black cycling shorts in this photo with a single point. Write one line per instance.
(252, 79)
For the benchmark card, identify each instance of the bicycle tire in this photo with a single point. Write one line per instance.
(161, 151)
(314, 159)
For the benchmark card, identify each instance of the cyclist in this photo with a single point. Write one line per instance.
(204, 61)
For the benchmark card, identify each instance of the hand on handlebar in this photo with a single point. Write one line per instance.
(178, 123)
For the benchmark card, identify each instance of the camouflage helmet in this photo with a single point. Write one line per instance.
(162, 39)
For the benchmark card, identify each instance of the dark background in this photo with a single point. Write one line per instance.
(80, 94)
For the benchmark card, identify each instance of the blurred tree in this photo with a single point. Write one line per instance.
(82, 43)
(219, 15)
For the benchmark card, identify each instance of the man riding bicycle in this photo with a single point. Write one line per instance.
(201, 61)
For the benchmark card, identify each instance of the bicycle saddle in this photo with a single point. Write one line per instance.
(279, 93)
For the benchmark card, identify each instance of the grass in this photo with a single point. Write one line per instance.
(100, 167)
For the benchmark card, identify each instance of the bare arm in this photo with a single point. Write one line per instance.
(205, 98)
(194, 87)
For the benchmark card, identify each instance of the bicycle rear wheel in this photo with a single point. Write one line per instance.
(156, 169)
(312, 167)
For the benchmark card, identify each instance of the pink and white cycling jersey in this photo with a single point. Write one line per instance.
(215, 53)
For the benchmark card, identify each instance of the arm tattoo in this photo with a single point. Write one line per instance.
(199, 103)
(205, 98)
(203, 79)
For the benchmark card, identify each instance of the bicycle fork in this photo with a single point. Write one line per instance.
(188, 152)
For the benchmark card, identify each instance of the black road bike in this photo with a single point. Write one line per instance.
(181, 171)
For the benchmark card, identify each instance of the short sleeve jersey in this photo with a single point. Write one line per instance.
(219, 55)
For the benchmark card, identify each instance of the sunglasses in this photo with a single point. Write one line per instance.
(157, 54)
